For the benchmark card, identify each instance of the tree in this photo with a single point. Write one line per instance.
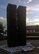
(1, 28)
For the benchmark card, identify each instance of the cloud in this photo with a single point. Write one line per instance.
(35, 21)
(30, 10)
(29, 1)
(33, 8)
(3, 21)
(28, 21)
(18, 1)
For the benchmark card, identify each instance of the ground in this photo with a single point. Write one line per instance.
(34, 51)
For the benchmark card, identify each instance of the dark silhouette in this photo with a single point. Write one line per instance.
(16, 25)
(1, 30)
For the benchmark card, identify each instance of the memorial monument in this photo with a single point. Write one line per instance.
(16, 37)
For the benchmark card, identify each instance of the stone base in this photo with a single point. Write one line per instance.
(9, 50)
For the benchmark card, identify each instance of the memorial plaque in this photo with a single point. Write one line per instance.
(12, 38)
(22, 25)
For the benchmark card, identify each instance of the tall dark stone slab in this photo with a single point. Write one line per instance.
(21, 25)
(12, 39)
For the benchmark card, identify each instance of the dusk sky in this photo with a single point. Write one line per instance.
(32, 7)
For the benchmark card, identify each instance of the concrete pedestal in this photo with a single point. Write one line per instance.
(4, 49)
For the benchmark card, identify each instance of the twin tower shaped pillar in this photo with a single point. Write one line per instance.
(16, 25)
